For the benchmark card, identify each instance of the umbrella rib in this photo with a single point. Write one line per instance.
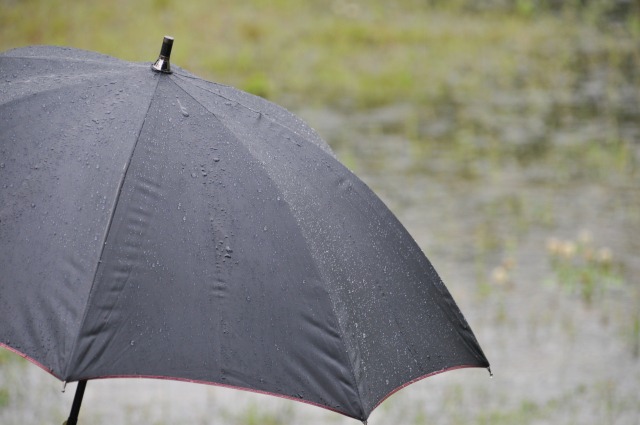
(220, 95)
(108, 59)
(99, 74)
(106, 233)
(78, 79)
(239, 103)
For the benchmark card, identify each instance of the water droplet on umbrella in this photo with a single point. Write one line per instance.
(183, 110)
(132, 343)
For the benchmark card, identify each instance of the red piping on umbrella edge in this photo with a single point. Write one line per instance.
(35, 362)
(420, 378)
(170, 378)
(216, 384)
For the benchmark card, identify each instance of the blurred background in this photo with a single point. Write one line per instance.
(505, 135)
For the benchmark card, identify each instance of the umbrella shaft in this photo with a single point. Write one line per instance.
(77, 402)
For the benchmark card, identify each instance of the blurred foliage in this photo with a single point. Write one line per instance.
(583, 268)
(348, 53)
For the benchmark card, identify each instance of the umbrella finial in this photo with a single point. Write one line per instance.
(162, 63)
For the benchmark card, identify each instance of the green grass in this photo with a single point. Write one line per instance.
(342, 53)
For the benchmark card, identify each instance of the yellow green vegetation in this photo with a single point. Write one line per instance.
(347, 53)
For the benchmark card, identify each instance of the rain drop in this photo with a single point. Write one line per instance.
(132, 343)
(183, 110)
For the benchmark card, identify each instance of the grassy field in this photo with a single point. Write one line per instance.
(343, 53)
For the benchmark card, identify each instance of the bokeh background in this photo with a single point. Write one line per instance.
(505, 135)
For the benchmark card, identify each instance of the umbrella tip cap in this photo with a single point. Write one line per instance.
(162, 64)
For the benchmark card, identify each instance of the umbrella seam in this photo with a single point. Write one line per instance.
(232, 100)
(71, 83)
(219, 385)
(333, 308)
(272, 120)
(109, 59)
(106, 234)
(420, 378)
(89, 74)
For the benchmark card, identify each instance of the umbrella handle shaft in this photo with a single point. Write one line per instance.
(77, 402)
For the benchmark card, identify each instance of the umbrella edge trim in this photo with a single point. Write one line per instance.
(217, 384)
(420, 378)
(30, 359)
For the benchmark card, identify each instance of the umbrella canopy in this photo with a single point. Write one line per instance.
(154, 224)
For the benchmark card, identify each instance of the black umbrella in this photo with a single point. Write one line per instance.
(154, 224)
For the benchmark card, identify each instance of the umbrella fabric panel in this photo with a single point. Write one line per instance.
(205, 275)
(59, 175)
(397, 318)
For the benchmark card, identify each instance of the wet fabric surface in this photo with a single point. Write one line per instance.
(161, 225)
